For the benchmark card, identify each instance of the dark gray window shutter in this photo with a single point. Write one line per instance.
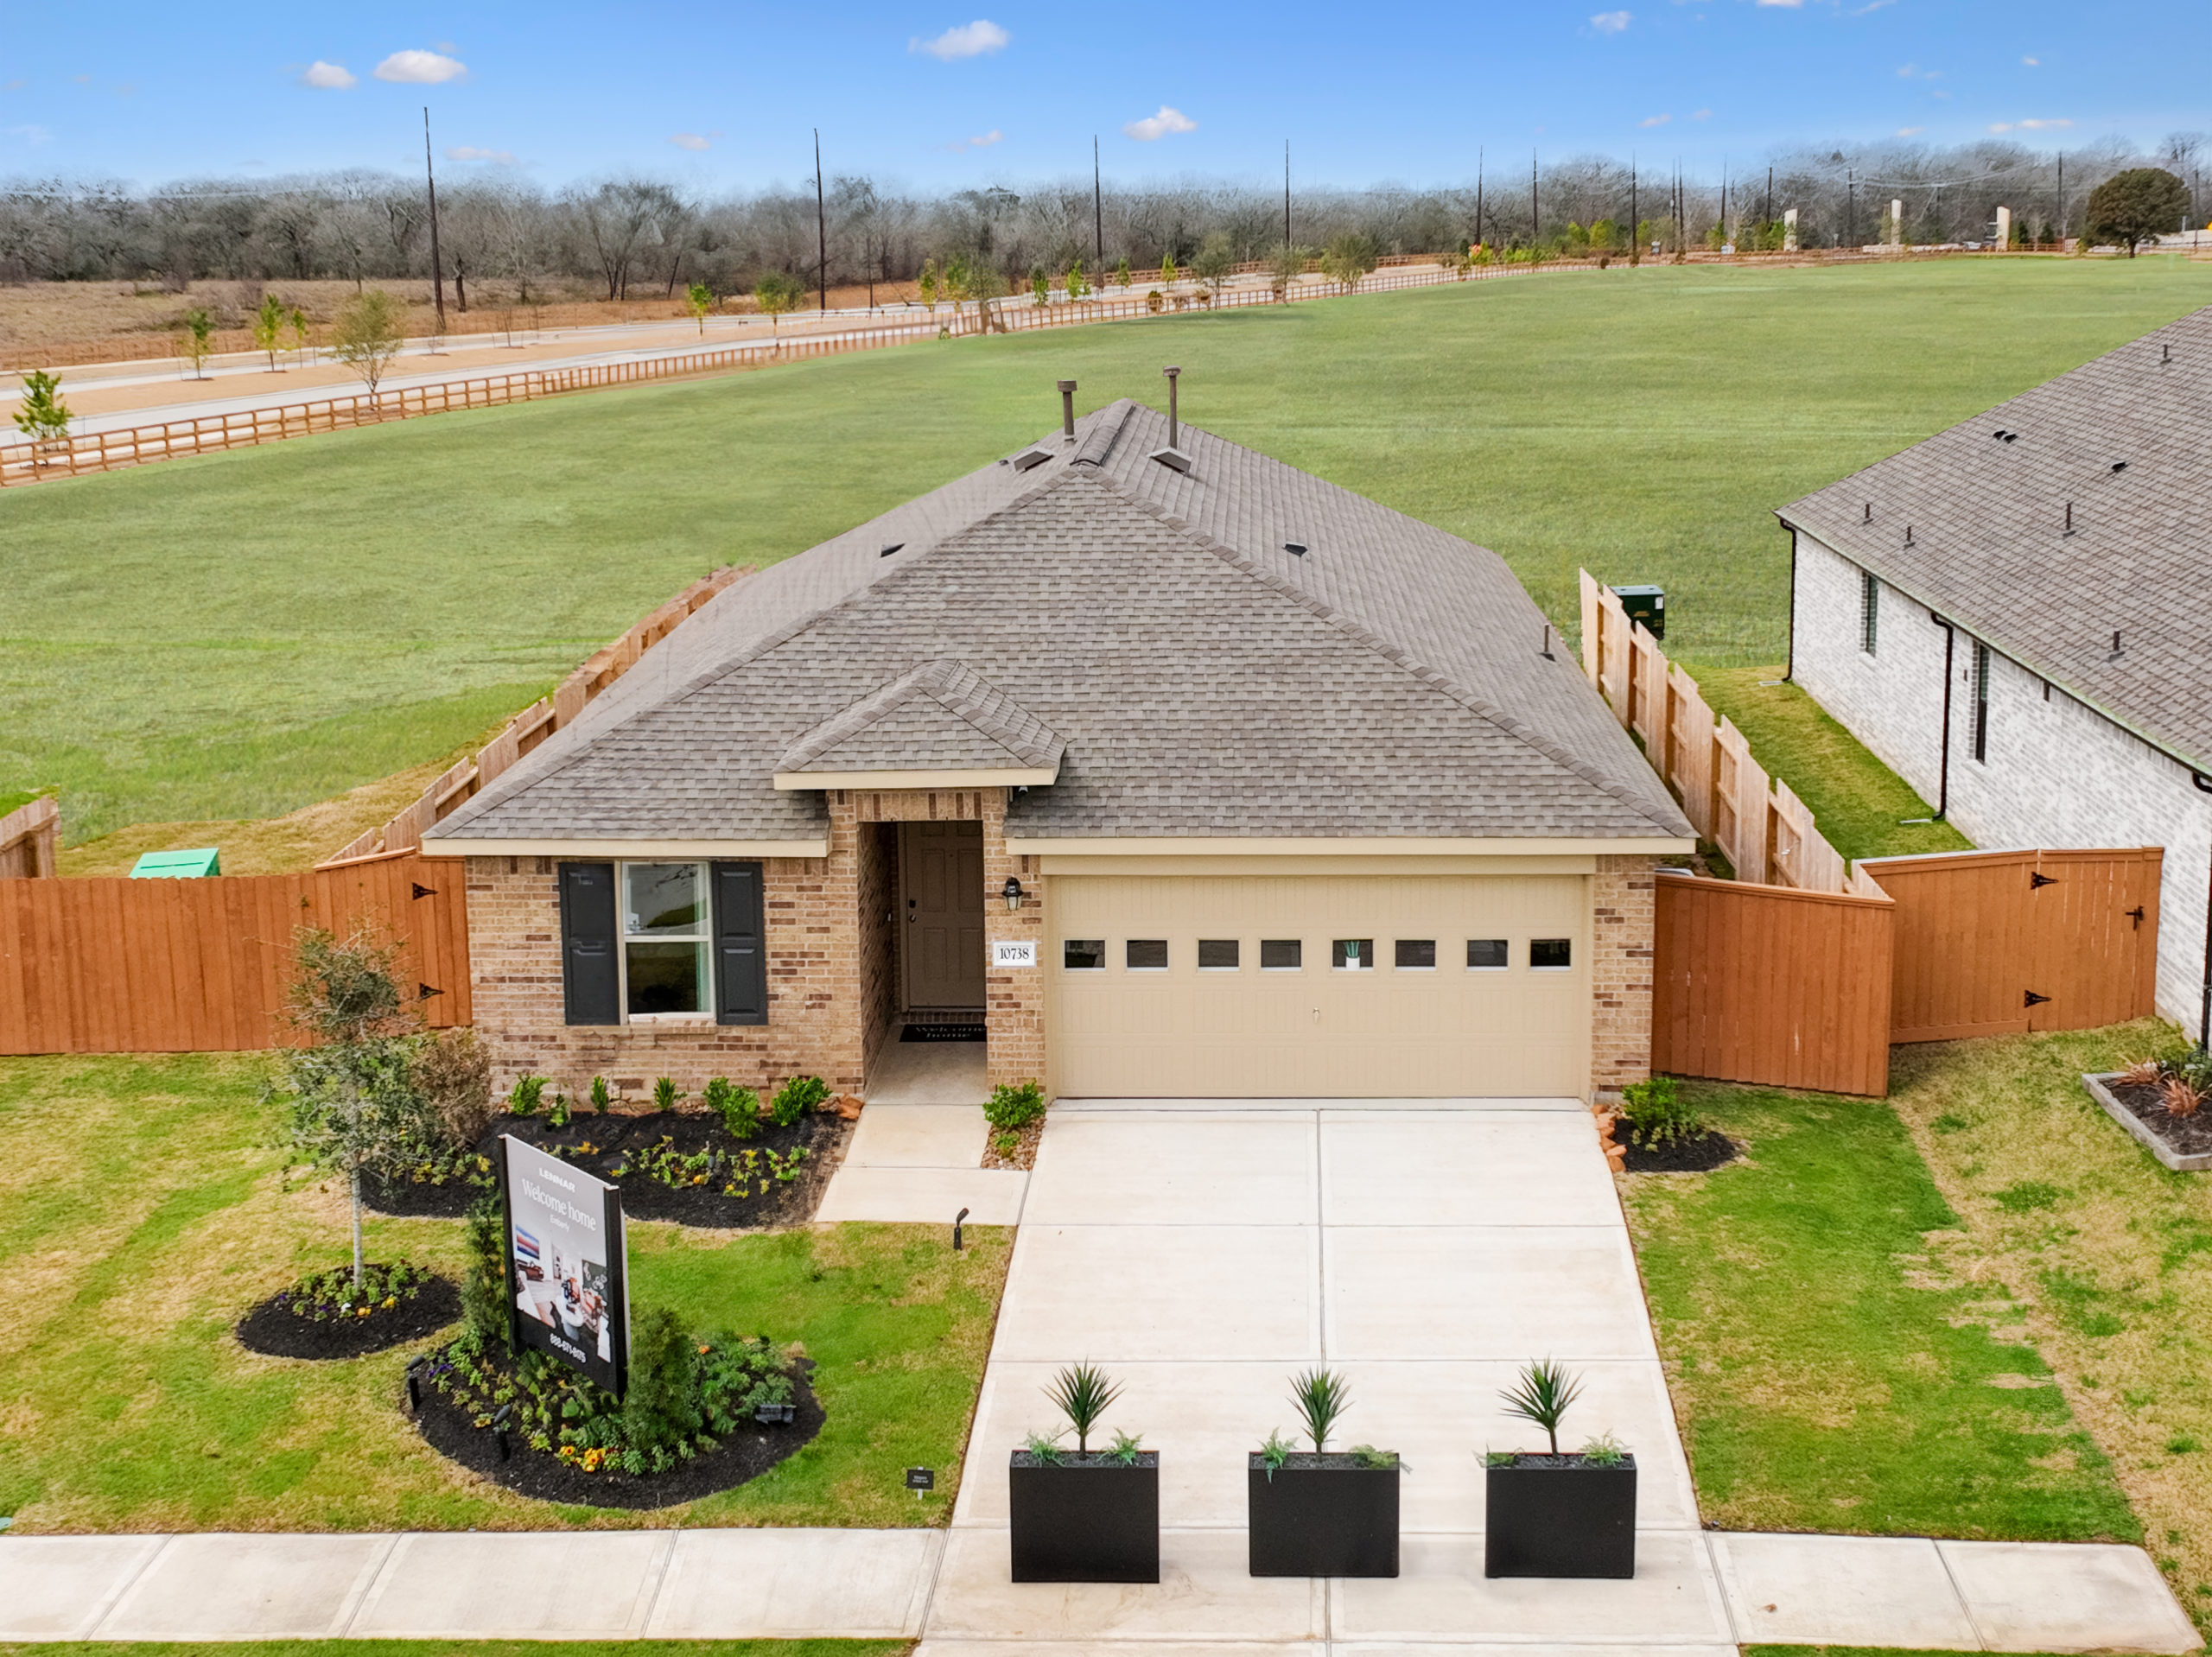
(740, 948)
(590, 979)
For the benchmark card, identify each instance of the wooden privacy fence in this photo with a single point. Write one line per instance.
(1756, 983)
(30, 838)
(1762, 829)
(122, 966)
(537, 722)
(23, 461)
(1994, 943)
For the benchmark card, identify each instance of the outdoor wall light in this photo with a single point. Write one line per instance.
(1012, 893)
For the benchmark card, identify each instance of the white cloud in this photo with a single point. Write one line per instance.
(1910, 132)
(331, 77)
(419, 68)
(32, 136)
(1791, 4)
(2032, 63)
(1158, 126)
(689, 140)
(984, 141)
(1872, 5)
(973, 40)
(470, 152)
(1655, 120)
(1914, 72)
(1609, 22)
(15, 86)
(2042, 126)
(1701, 115)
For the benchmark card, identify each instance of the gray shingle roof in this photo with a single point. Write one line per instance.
(942, 715)
(2127, 440)
(1202, 679)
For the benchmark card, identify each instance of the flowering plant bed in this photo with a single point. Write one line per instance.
(2145, 1108)
(1690, 1153)
(325, 1315)
(691, 1425)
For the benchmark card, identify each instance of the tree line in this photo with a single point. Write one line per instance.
(636, 236)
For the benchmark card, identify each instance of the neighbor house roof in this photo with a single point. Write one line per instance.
(2126, 442)
(1143, 629)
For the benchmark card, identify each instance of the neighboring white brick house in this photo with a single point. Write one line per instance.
(2057, 553)
(2054, 772)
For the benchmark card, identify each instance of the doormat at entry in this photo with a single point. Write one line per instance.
(944, 1032)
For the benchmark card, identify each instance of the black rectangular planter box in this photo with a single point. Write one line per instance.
(1559, 1516)
(1322, 1516)
(1085, 1518)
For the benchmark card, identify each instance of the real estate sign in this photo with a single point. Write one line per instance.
(568, 1284)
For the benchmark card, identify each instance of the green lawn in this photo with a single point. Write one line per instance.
(141, 1212)
(238, 635)
(1829, 1374)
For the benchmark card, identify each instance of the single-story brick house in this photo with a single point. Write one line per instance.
(2014, 616)
(1184, 772)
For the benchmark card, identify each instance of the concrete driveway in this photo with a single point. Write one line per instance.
(1202, 1254)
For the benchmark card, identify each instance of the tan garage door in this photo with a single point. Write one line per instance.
(1123, 1026)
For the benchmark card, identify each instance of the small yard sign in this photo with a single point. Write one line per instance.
(566, 1262)
(1013, 952)
(921, 1478)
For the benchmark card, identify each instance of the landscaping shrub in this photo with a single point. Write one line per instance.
(453, 1072)
(484, 1291)
(795, 1097)
(666, 1095)
(599, 1098)
(1656, 1113)
(333, 1296)
(1013, 1108)
(739, 1107)
(661, 1414)
(523, 1098)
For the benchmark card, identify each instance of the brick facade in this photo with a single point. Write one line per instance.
(1623, 922)
(2057, 773)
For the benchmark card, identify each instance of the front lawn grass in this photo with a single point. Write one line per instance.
(241, 634)
(2104, 1255)
(1862, 808)
(1830, 1370)
(142, 1211)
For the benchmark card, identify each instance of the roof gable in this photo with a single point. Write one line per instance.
(942, 715)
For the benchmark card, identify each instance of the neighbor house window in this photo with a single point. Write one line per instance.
(1352, 955)
(1554, 953)
(665, 940)
(1981, 702)
(1217, 954)
(1415, 954)
(1281, 955)
(1146, 954)
(1488, 954)
(1083, 955)
(1870, 609)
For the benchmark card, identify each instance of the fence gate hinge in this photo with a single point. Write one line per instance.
(2037, 879)
(2135, 914)
(424, 991)
(2034, 999)
(422, 891)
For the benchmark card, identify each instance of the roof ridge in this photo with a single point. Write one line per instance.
(1105, 430)
(1398, 657)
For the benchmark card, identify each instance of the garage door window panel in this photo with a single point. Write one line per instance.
(1352, 955)
(1219, 954)
(1489, 954)
(1414, 955)
(1145, 955)
(1083, 955)
(1282, 955)
(1551, 954)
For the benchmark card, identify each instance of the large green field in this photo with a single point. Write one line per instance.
(238, 635)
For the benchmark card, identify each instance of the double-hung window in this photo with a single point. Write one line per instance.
(642, 941)
(1870, 609)
(1981, 702)
(665, 952)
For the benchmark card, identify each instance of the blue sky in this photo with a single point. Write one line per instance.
(936, 96)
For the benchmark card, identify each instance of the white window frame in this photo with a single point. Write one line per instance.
(1571, 952)
(1431, 944)
(1367, 958)
(1103, 952)
(1164, 967)
(624, 937)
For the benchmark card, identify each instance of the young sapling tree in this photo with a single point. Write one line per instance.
(196, 340)
(367, 335)
(41, 415)
(269, 327)
(699, 300)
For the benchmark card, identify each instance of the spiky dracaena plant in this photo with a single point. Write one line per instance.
(1321, 1397)
(1082, 1394)
(1545, 1390)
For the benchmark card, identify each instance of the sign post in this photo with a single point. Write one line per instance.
(567, 1263)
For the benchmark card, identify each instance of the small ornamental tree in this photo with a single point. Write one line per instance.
(196, 340)
(1348, 258)
(1122, 272)
(295, 322)
(1079, 284)
(269, 327)
(1167, 271)
(776, 294)
(42, 416)
(926, 285)
(2137, 205)
(355, 1109)
(699, 299)
(1284, 265)
(367, 335)
(1212, 263)
(1041, 286)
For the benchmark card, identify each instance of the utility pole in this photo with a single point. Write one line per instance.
(1767, 218)
(1850, 209)
(1535, 218)
(437, 267)
(2062, 198)
(1478, 192)
(1286, 195)
(1097, 208)
(821, 230)
(1635, 229)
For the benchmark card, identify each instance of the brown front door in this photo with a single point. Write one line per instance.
(941, 878)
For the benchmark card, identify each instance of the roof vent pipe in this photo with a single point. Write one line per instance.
(2070, 517)
(1067, 411)
(1174, 428)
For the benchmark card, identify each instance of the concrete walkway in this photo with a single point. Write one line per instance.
(917, 1153)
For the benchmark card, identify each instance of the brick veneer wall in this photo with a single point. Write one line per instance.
(2058, 773)
(1623, 919)
(877, 896)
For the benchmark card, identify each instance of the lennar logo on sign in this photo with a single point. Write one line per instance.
(1009, 953)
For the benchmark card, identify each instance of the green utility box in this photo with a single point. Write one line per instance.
(177, 865)
(1647, 604)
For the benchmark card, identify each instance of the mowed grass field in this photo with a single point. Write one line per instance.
(240, 635)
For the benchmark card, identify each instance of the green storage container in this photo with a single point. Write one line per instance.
(1647, 604)
(178, 865)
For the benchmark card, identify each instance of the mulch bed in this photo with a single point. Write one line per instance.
(2188, 1136)
(275, 1332)
(745, 1455)
(618, 1140)
(408, 1200)
(1697, 1153)
(1024, 1154)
